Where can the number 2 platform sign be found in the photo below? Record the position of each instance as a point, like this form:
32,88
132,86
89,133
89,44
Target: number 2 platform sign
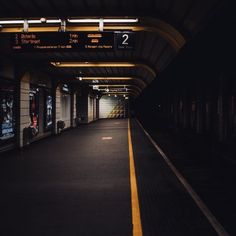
125,40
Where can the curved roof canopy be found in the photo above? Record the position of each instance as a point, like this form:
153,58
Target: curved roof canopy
163,28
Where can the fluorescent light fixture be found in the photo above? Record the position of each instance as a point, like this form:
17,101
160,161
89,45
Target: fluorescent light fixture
8,22
93,64
104,20
112,85
34,21
120,20
104,64
96,79
54,21
111,92
83,20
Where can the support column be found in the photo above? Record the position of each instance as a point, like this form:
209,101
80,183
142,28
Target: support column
24,105
58,107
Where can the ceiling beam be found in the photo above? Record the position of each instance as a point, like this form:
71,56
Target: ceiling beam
165,30
128,87
140,82
107,64
118,86
133,93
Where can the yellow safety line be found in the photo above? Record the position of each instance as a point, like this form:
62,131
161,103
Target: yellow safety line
136,219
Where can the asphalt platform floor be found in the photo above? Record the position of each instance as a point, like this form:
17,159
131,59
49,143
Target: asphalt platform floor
202,162
78,184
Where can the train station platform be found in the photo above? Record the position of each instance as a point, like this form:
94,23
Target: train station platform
78,183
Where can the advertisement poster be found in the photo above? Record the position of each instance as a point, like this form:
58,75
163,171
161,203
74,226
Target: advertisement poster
34,110
48,111
7,121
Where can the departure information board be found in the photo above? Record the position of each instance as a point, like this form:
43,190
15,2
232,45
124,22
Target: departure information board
56,41
72,41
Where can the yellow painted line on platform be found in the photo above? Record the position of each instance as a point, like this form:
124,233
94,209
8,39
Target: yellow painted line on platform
136,219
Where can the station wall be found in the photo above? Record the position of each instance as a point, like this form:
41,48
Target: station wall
112,107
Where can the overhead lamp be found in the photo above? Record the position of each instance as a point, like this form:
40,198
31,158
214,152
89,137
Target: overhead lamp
117,92
54,21
112,85
34,21
43,20
95,87
104,20
96,79
105,64
83,20
79,78
8,22
93,64
39,21
121,20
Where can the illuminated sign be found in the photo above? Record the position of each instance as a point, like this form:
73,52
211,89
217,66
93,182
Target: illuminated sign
7,124
65,88
69,41
34,109
56,41
48,111
125,40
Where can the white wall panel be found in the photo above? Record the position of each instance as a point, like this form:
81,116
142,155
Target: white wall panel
24,106
90,109
111,107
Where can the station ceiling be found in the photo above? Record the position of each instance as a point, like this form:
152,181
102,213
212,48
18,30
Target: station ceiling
163,28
